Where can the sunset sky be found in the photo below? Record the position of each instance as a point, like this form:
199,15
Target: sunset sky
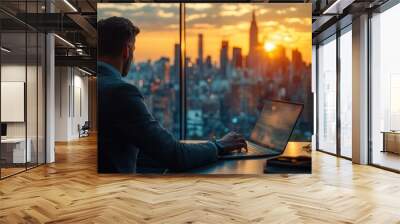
285,24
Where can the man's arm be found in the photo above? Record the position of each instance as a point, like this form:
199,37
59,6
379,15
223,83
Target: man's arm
155,141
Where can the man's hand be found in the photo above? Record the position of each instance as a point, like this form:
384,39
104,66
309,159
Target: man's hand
231,142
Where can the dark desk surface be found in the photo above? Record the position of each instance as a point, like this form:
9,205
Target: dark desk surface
249,166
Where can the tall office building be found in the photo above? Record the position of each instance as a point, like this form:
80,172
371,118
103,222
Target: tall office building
175,69
200,52
297,59
237,59
176,55
297,68
162,69
223,58
208,64
253,43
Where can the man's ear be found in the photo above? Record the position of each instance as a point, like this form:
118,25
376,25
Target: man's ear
125,52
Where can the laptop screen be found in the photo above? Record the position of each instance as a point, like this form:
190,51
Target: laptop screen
275,124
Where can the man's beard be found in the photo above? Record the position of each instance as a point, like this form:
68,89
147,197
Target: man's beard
126,67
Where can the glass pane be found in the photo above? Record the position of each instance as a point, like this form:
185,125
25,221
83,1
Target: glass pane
238,56
13,86
385,86
155,70
41,98
327,96
31,97
346,94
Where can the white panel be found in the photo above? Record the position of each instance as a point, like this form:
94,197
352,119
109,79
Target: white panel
12,101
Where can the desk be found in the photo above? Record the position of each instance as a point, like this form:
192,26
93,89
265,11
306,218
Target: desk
13,150
391,141
248,166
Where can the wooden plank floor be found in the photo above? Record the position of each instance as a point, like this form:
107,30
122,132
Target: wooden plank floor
70,191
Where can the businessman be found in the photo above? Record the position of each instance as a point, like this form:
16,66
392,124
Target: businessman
126,127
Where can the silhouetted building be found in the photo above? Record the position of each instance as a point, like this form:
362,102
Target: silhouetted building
200,53
297,60
208,64
162,68
253,43
175,66
237,59
224,60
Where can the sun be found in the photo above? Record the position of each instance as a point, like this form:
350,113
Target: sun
268,46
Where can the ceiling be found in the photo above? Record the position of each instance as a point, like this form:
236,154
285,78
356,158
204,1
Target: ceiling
72,20
75,21
331,15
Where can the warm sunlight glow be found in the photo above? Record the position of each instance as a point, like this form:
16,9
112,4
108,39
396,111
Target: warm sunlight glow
268,46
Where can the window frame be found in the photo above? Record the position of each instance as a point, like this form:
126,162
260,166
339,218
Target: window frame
337,34
27,29
380,9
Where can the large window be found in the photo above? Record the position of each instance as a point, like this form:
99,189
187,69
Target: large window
334,66
385,89
238,56
327,95
233,63
346,92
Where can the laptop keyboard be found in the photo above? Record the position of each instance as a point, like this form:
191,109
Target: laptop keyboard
252,150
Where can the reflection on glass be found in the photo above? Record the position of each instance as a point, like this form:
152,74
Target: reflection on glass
346,94
22,90
275,124
238,56
155,70
14,153
327,96
385,89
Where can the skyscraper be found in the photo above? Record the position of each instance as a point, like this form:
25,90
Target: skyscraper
175,67
162,69
223,58
253,43
237,59
176,55
297,59
200,52
208,64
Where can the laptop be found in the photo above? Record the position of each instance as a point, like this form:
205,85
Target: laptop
272,131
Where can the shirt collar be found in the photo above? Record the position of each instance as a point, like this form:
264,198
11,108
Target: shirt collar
109,67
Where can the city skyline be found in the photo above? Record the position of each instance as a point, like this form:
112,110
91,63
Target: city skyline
232,66
278,24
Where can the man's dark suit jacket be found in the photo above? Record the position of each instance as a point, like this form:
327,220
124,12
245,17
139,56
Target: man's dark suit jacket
126,126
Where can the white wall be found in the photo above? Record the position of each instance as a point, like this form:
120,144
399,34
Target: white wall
70,94
14,72
62,81
33,127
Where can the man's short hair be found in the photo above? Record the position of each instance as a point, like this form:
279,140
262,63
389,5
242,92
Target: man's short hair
112,35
